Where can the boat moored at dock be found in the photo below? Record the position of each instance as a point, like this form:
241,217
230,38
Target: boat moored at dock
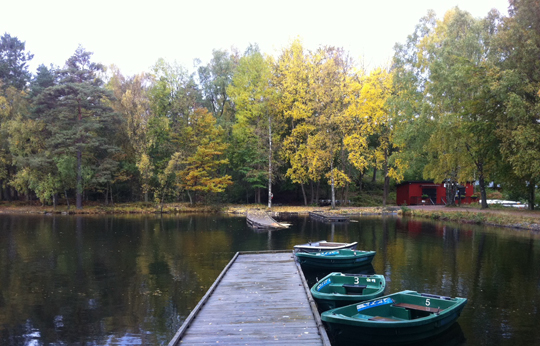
399,318
340,289
336,259
323,245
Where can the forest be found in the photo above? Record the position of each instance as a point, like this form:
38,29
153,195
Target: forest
459,102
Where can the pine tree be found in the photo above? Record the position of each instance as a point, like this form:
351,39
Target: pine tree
77,119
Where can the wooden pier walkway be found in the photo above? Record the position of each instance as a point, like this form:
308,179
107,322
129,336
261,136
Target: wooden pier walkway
328,217
258,299
259,219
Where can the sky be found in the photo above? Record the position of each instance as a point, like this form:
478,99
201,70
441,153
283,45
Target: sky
133,34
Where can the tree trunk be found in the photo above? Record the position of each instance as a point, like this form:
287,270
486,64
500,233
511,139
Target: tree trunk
451,188
79,180
374,178
333,187
483,193
106,193
146,196
190,199
386,177
360,178
532,190
54,197
67,199
317,189
304,194
313,200
270,195
110,194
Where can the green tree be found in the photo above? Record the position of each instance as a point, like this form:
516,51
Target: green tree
13,62
518,43
454,70
329,70
214,79
131,100
77,118
253,152
461,75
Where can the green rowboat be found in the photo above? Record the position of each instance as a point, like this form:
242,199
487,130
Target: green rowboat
399,318
336,259
340,289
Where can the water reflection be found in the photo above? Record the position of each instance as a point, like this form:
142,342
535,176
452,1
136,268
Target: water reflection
133,279
452,337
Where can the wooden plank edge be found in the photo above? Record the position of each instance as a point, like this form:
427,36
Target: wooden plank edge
181,331
314,310
263,252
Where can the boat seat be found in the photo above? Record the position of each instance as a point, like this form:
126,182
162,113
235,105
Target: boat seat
354,289
418,307
354,286
380,318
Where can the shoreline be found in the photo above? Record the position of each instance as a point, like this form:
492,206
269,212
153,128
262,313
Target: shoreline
500,217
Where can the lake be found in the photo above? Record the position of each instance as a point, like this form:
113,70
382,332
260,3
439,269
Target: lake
132,280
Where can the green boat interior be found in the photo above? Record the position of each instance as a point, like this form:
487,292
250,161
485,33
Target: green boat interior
352,284
401,307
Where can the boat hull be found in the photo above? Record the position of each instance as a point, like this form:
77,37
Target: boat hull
361,329
323,245
335,260
340,289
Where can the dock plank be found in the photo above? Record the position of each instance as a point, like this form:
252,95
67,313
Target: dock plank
259,300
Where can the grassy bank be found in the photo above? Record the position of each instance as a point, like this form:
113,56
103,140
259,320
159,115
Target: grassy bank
497,217
505,217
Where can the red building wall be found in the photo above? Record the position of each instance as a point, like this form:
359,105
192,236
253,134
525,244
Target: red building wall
410,193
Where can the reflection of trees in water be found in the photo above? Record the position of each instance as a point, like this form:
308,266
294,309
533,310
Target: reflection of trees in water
89,278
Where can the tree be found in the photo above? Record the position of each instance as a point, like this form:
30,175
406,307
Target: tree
465,106
518,43
252,95
454,66
411,107
197,167
75,116
214,79
131,100
293,106
329,71
13,62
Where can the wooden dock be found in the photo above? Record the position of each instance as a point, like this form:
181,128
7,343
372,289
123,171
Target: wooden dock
328,217
258,299
259,219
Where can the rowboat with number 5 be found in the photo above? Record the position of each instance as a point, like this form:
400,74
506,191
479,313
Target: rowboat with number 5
403,317
340,289
337,259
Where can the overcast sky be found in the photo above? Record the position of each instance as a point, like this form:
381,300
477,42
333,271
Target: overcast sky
134,34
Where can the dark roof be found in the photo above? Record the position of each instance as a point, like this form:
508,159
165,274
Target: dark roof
415,182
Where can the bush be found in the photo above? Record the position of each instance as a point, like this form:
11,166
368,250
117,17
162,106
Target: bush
405,209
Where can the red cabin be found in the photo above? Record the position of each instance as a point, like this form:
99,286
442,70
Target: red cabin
412,192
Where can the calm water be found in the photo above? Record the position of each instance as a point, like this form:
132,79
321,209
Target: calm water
115,280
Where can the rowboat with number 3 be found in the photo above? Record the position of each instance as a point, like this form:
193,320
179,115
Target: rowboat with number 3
399,318
340,289
337,259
